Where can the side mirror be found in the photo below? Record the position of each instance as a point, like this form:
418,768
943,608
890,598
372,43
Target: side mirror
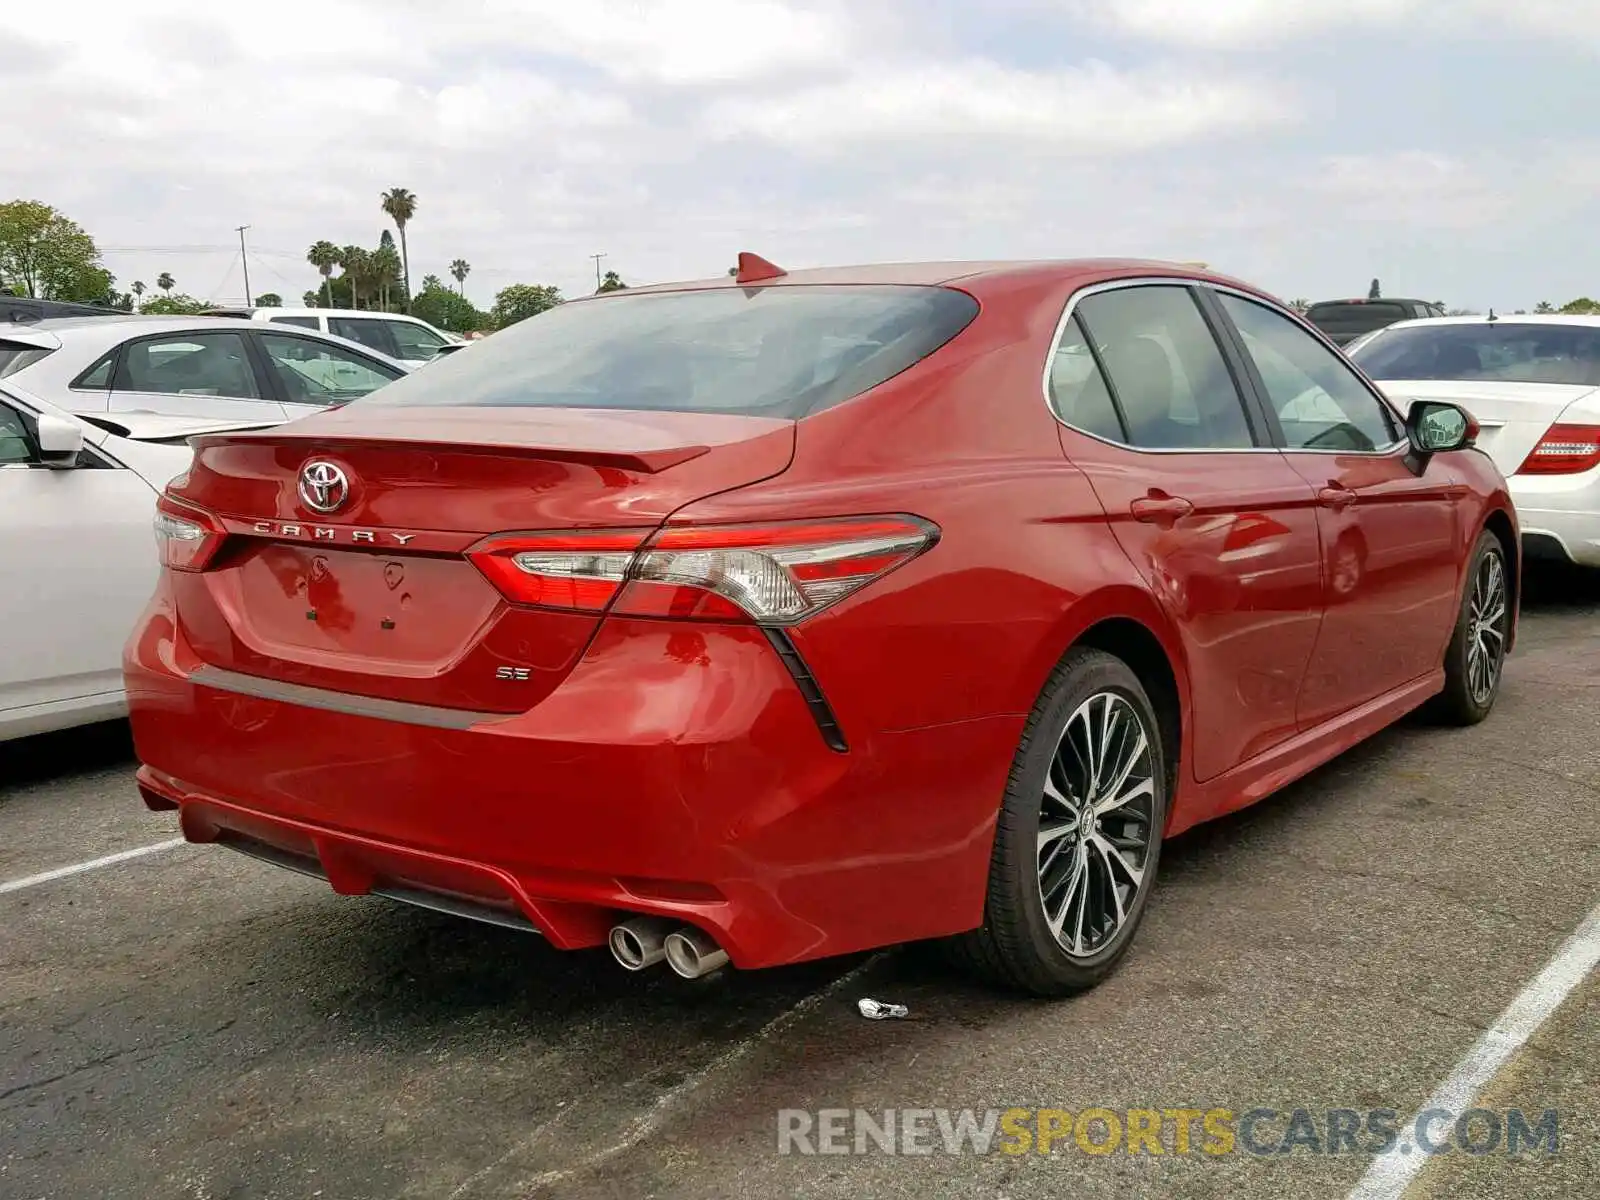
60,441
1436,428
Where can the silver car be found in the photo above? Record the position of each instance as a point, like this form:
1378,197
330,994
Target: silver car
215,368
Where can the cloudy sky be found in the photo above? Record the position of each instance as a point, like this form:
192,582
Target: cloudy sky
1449,147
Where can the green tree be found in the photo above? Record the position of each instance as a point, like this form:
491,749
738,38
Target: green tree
138,289
521,301
1300,304
324,256
611,283
46,255
387,266
353,261
460,269
165,282
1374,292
439,306
269,300
180,305
1544,306
401,205
1582,307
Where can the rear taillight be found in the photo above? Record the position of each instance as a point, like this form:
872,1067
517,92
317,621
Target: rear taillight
1564,450
771,574
578,570
186,536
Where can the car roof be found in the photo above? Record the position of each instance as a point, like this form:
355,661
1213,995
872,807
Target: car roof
1574,319
1378,300
134,323
987,273
255,313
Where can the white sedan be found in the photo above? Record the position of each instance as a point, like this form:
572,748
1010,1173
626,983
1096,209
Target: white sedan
1533,384
77,498
212,367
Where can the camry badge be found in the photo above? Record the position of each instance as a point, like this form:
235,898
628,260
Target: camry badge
323,487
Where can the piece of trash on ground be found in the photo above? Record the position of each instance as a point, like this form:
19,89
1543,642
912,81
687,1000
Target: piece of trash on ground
876,1010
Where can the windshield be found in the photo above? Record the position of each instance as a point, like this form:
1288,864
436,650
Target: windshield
768,351
1498,352
14,357
1348,318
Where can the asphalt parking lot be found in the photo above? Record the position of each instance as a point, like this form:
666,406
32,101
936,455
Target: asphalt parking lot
193,1024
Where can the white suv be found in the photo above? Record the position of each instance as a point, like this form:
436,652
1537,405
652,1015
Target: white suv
411,341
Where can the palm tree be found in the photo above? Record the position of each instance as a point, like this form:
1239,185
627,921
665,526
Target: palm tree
460,269
386,267
138,287
401,205
324,256
353,261
165,282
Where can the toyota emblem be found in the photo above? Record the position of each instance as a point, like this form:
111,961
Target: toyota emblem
324,487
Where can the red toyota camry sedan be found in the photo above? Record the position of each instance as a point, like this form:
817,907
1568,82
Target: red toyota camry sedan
791,614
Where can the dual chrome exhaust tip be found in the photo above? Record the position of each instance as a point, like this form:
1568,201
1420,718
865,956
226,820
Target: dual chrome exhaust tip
644,941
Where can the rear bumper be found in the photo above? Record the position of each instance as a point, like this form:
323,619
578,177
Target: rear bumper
1560,516
674,772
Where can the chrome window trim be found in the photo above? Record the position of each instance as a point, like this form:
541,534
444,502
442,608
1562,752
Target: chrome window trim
1112,285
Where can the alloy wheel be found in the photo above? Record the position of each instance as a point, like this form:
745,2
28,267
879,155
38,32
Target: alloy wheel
1096,824
1487,614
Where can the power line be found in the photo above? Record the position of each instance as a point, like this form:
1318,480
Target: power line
244,258
597,258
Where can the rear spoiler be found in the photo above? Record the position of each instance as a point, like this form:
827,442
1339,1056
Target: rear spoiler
162,429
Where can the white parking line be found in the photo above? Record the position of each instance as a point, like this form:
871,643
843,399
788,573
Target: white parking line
94,864
1390,1175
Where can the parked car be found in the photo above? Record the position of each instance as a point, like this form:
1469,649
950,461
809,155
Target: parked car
394,335
1345,320
1533,384
76,502
783,616
190,366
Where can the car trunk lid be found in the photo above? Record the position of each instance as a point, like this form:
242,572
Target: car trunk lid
376,597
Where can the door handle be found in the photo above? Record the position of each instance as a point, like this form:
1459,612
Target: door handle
1158,508
1335,497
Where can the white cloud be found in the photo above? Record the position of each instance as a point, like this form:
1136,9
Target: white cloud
1254,23
1094,107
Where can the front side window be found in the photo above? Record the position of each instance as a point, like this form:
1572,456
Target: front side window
1501,351
1167,373
15,444
414,341
778,351
369,331
1321,403
313,372
189,364
1078,390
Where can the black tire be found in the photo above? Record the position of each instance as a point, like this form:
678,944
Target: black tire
1015,947
1464,702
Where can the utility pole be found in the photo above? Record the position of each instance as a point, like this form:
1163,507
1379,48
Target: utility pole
245,259
597,258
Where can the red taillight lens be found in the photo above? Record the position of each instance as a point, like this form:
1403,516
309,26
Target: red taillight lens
186,537
1564,450
772,574
581,570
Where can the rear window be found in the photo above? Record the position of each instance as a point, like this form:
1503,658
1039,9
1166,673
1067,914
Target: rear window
770,351
1502,352
1356,318
14,358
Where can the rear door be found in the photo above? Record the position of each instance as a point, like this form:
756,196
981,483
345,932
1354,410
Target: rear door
193,373
1223,529
79,566
1390,528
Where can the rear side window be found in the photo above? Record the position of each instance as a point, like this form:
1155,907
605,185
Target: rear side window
783,351
303,322
189,364
97,377
1077,389
15,445
14,358
1168,375
369,331
413,341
